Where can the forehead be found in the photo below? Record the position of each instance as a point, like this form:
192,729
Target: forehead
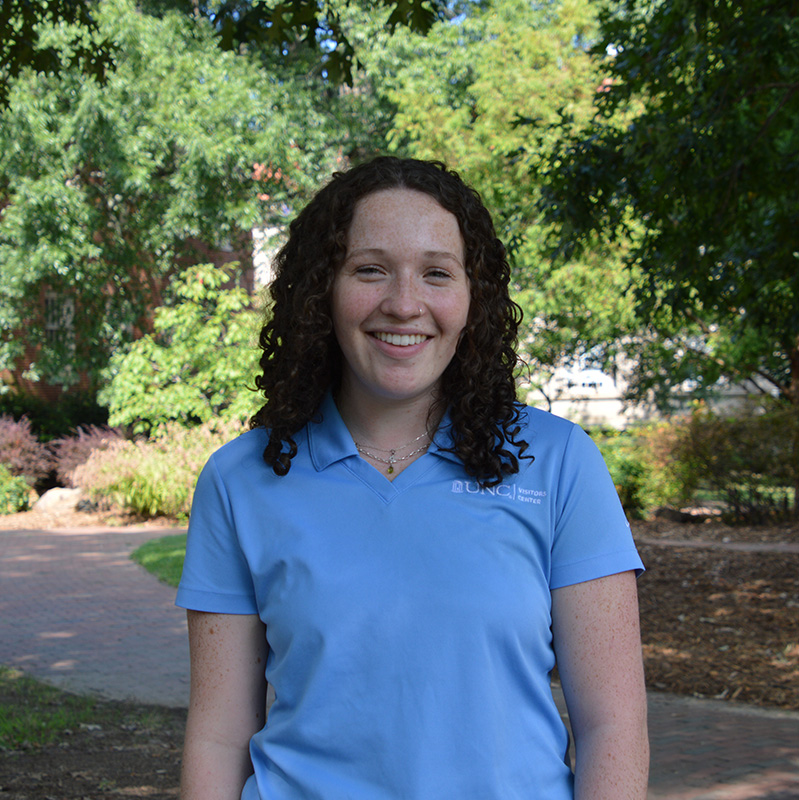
405,216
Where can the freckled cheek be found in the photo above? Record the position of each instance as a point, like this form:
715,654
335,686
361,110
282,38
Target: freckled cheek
351,309
455,315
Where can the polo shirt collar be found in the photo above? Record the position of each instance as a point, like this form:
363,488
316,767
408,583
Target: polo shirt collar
329,439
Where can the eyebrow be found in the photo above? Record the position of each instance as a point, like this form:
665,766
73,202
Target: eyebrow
377,251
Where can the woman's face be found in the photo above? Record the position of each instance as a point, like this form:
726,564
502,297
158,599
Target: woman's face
401,298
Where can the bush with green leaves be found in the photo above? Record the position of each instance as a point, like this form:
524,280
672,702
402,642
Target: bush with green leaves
156,476
15,493
648,467
49,420
745,459
197,365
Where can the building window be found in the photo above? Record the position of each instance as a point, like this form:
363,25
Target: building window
59,318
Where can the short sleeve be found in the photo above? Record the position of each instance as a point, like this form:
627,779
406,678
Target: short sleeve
592,536
216,576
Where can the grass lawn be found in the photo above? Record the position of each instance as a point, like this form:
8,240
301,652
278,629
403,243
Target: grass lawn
33,714
163,557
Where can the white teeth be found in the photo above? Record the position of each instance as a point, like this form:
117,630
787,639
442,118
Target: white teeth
401,340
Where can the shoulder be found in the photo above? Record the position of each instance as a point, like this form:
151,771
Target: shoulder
557,444
243,453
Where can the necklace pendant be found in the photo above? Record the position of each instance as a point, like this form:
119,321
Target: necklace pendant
390,469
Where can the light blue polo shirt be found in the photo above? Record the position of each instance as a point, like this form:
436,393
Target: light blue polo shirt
408,622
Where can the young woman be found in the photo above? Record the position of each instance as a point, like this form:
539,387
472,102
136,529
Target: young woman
399,548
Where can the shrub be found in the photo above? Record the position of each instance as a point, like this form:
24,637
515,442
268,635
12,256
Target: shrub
647,466
154,477
21,452
14,492
69,452
197,364
50,420
746,459
627,469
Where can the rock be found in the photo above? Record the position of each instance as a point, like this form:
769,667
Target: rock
58,500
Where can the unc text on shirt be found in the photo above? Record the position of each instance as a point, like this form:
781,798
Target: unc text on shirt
512,492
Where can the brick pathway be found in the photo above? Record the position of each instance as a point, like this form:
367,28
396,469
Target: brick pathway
75,611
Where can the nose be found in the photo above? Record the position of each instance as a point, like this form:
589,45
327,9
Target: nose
402,300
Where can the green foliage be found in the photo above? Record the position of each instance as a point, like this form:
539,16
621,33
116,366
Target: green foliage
15,492
110,190
461,92
695,135
20,46
51,420
155,477
744,459
627,470
196,366
237,25
163,557
294,21
647,466
33,714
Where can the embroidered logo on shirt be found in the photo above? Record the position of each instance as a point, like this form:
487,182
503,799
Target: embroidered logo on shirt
510,491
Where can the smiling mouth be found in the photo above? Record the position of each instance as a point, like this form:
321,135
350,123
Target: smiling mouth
400,339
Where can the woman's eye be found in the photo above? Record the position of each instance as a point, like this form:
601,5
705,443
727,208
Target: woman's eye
368,269
438,273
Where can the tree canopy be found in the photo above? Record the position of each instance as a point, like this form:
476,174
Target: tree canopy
110,189
198,363
695,139
236,24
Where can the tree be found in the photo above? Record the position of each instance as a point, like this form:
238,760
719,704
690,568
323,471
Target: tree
695,137
236,23
197,363
108,190
20,46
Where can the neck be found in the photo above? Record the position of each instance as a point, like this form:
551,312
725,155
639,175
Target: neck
384,423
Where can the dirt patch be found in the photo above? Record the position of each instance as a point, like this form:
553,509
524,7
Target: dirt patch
709,530
121,760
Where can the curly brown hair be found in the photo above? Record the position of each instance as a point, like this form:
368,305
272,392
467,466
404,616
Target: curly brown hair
301,358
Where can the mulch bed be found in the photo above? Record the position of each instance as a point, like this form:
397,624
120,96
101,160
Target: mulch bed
721,623
716,623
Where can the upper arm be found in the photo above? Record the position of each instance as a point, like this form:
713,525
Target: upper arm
597,643
227,704
228,660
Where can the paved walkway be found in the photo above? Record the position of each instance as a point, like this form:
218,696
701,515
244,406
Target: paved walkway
75,611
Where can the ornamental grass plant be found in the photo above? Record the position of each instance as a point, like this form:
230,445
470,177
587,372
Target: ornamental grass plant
69,452
153,477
